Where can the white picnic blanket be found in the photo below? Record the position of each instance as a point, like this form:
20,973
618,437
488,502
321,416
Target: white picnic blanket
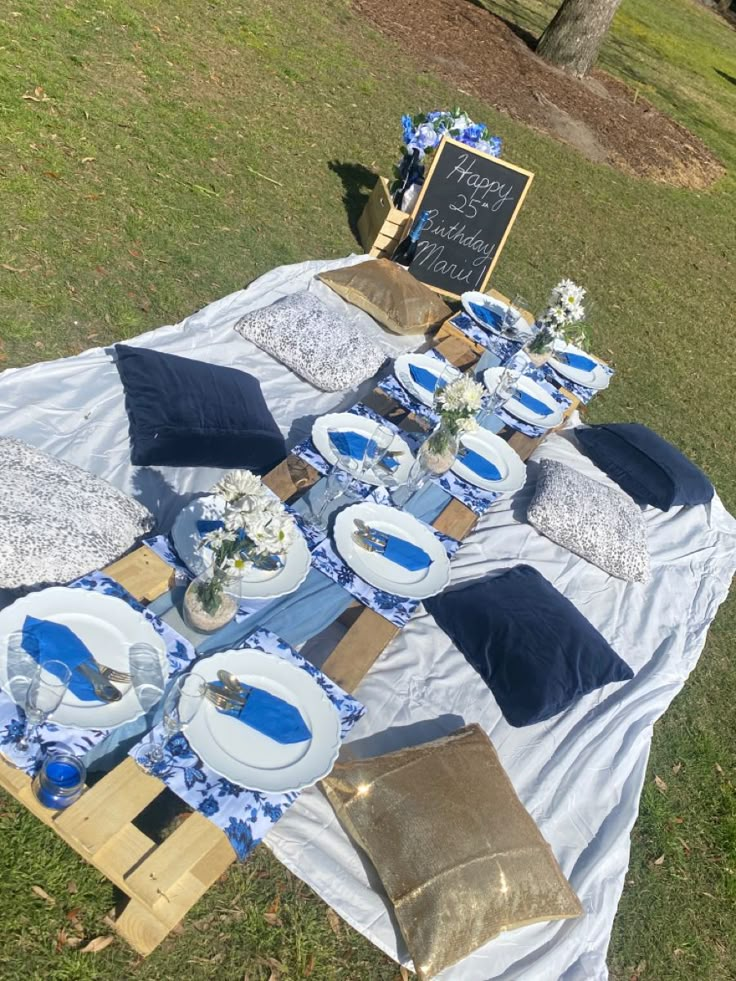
580,774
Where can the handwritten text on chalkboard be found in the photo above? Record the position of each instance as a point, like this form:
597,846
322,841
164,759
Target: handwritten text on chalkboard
472,200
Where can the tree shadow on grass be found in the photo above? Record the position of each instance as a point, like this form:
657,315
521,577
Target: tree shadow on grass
357,183
729,78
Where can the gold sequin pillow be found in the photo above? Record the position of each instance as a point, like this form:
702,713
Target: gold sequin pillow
390,295
459,856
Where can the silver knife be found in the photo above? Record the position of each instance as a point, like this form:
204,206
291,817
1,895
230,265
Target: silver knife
102,687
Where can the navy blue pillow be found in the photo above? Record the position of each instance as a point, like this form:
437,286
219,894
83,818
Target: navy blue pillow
647,467
535,651
186,413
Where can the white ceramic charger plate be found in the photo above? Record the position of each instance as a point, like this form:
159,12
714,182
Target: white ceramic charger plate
381,572
245,756
350,422
402,370
596,379
522,328
107,626
491,377
254,583
506,460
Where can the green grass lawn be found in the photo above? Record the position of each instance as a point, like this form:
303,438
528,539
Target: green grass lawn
134,143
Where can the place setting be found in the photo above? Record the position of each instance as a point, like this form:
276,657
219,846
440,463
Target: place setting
386,557
577,371
76,664
245,731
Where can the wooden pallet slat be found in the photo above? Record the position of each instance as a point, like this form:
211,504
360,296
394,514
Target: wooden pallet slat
108,806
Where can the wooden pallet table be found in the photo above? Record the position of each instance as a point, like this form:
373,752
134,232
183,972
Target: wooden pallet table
162,881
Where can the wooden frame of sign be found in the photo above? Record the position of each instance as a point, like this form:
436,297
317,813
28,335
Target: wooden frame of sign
478,187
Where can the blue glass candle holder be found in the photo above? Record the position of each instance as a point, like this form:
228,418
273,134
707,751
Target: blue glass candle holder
60,781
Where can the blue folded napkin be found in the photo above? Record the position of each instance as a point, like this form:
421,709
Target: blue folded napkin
405,554
529,402
268,714
487,316
355,445
426,378
578,361
48,641
204,527
479,464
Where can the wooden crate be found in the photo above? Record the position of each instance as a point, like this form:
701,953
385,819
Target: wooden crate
381,226
163,881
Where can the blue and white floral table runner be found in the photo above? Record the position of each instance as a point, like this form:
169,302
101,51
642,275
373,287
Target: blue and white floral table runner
245,816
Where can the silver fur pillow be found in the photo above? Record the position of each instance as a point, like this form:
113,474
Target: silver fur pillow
58,522
598,523
306,336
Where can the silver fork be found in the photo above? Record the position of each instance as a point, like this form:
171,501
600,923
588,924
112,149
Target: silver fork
119,677
222,701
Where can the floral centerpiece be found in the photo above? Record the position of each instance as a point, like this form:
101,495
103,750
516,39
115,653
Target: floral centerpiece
559,322
457,404
422,136
254,532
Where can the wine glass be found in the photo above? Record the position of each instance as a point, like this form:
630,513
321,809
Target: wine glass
445,377
332,488
181,703
511,317
376,449
45,691
146,674
505,387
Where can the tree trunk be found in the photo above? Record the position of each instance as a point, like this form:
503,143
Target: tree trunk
574,35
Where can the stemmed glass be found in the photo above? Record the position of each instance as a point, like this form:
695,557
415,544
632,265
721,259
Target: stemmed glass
181,703
146,674
505,388
511,316
46,689
333,487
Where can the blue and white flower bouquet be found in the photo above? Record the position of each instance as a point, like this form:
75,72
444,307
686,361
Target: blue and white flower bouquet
422,136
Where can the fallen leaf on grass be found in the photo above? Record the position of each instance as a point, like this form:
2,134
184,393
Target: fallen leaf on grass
678,820
334,920
719,769
678,951
309,968
7,268
659,861
273,919
71,887
42,894
96,945
660,784
38,95
86,160
676,768
404,973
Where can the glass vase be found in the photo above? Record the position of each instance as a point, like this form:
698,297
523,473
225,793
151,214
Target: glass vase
207,605
437,453
541,347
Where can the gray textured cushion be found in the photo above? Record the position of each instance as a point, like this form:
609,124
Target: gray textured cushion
58,522
306,336
598,523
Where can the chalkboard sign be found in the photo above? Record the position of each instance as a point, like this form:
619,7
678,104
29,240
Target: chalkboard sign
473,200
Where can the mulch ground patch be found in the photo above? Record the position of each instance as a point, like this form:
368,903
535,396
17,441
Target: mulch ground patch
605,119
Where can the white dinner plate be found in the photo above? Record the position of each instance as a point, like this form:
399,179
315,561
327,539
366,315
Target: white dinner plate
596,379
506,460
491,378
253,583
107,626
349,422
381,572
245,756
402,367
522,328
